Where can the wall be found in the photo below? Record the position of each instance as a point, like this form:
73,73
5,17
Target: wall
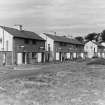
56,47
68,49
7,41
90,48
50,42
20,46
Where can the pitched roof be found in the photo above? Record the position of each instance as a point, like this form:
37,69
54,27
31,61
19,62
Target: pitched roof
22,34
63,39
98,44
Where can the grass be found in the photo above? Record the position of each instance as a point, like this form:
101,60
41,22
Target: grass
60,84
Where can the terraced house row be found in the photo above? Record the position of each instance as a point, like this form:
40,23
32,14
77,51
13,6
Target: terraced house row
18,46
61,48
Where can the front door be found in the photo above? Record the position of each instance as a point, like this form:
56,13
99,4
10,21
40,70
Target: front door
42,57
19,58
4,58
60,56
39,57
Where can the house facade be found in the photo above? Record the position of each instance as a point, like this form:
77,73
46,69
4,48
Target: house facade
20,46
61,48
94,49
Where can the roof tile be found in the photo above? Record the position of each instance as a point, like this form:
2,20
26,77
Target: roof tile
22,34
63,39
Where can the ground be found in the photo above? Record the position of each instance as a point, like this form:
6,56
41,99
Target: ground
53,84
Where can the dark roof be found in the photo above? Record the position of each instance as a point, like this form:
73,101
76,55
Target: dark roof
98,44
22,34
63,39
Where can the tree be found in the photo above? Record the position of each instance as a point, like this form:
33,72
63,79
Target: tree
91,36
103,35
80,39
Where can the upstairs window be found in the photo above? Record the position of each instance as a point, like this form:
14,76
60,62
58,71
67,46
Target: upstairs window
62,44
26,41
0,40
33,41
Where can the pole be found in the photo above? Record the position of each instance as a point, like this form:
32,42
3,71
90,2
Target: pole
3,38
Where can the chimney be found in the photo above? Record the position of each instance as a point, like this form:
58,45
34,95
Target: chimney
55,33
19,27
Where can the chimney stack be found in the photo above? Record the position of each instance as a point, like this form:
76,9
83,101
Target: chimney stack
19,27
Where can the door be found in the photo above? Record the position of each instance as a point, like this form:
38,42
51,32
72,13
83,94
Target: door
19,58
68,55
60,56
4,58
39,57
27,58
42,57
57,55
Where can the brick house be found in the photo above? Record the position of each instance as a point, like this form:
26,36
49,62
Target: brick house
61,48
18,46
94,49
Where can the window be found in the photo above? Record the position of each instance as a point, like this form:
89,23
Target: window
26,41
7,45
33,41
62,44
0,40
94,50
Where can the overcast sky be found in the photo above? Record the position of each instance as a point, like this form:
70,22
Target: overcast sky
73,17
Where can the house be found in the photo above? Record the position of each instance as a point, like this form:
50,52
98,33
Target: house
18,46
61,48
94,49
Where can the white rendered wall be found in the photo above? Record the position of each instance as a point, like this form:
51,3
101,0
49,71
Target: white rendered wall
90,48
48,42
7,42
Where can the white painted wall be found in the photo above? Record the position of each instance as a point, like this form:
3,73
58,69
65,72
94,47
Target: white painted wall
90,48
50,42
103,43
8,41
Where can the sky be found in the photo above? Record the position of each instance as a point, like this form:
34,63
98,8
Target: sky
65,17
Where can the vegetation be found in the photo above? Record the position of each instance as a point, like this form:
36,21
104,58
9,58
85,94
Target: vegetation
70,84
103,35
80,39
91,36
97,61
98,37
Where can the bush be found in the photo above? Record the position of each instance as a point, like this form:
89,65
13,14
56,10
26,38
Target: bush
98,61
95,57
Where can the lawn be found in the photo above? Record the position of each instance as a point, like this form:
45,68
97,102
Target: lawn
57,84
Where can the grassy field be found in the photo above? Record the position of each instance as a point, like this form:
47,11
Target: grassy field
57,84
